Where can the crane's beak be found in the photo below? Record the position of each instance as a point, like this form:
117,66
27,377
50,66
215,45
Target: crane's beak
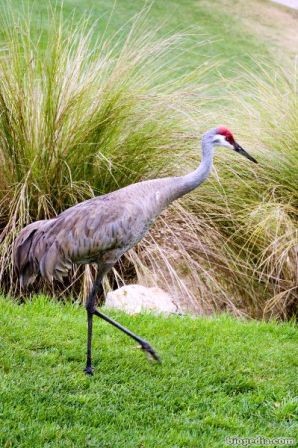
242,151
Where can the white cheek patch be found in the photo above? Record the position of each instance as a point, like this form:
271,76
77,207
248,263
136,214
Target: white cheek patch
220,140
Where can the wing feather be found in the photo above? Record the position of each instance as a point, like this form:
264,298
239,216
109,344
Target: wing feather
92,231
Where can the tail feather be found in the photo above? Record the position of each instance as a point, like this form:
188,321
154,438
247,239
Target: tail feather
37,252
54,263
26,261
48,262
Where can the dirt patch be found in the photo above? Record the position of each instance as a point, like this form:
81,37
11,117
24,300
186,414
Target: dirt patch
275,24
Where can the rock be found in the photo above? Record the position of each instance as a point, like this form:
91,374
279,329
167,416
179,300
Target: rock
134,299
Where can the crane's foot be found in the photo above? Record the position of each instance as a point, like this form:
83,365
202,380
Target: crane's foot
146,347
89,370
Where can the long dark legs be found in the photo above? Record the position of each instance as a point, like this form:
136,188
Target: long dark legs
91,310
144,344
89,368
90,307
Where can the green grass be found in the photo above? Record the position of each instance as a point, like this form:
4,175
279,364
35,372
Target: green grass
230,43
219,377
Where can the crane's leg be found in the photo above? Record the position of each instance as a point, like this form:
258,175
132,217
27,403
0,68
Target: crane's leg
144,344
90,306
91,310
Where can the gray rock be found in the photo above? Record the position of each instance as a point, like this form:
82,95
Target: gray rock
134,299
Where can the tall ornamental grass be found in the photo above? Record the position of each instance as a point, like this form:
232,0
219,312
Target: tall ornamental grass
83,114
255,206
270,220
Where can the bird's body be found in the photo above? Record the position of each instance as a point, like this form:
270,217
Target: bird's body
98,230
101,229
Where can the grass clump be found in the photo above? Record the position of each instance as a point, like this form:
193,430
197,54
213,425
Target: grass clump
255,207
271,219
79,118
241,237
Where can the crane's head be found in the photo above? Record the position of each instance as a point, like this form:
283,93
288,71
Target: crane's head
224,137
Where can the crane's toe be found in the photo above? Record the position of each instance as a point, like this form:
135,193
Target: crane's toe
150,352
89,370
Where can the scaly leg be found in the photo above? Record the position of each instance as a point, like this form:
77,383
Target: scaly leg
90,307
144,344
91,310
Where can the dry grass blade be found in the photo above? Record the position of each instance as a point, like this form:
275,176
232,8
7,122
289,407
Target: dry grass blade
79,118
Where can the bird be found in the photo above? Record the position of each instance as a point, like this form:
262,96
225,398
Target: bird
101,229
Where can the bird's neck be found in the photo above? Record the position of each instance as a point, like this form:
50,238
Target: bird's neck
190,181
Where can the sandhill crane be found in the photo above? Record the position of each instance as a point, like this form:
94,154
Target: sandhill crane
101,229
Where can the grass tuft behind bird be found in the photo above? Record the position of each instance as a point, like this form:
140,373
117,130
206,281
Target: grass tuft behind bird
80,118
255,207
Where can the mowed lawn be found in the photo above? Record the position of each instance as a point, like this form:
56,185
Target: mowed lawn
219,377
226,41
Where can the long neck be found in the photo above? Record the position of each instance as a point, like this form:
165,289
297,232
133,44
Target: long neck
185,184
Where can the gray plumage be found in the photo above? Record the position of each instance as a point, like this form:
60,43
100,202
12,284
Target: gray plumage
102,229
98,230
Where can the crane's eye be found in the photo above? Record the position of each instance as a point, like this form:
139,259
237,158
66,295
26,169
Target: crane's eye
229,139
